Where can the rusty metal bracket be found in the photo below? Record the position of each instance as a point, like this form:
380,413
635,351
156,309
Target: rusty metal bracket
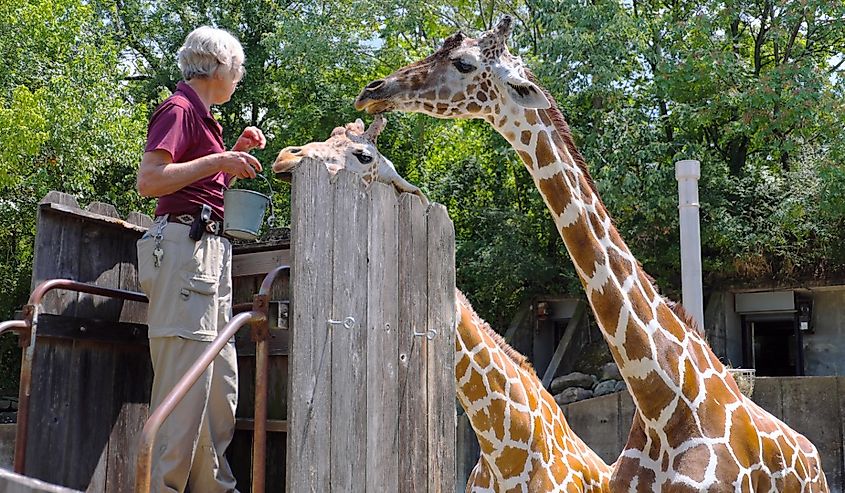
261,329
25,335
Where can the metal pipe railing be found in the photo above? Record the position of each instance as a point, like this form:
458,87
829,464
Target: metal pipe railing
27,332
260,334
144,464
13,326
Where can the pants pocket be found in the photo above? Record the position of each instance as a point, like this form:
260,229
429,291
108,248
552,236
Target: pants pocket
146,265
198,301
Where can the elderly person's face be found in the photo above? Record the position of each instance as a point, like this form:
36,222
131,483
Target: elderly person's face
226,81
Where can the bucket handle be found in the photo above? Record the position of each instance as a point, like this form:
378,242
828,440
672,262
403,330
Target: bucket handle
271,221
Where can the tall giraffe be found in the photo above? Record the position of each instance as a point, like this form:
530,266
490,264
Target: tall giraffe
526,443
693,430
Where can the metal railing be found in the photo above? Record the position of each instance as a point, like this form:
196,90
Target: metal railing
257,317
260,334
27,329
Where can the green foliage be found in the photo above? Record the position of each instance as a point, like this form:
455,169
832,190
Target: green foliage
754,90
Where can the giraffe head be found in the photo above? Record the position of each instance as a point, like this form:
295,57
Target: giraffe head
353,148
465,78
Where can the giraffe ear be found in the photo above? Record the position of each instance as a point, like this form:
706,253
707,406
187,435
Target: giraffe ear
528,95
524,92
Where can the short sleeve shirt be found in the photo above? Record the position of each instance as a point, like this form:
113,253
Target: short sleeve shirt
185,128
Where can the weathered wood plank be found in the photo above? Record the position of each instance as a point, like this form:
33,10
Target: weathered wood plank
56,255
250,264
349,345
413,318
93,330
382,342
131,311
309,395
441,351
90,416
133,380
48,418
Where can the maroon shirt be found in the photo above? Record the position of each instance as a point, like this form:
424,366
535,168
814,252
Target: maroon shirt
183,126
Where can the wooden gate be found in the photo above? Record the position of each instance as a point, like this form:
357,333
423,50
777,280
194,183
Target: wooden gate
371,404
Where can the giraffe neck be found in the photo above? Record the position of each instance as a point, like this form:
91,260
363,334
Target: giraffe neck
659,357
522,433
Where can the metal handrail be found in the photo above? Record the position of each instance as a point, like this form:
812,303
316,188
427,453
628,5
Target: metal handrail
258,318
13,325
26,329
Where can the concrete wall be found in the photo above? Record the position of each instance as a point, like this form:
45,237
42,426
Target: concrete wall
824,348
7,446
814,406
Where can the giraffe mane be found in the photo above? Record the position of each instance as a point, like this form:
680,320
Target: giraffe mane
562,127
566,134
682,313
515,356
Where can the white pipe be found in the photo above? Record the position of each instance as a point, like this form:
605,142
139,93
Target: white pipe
687,173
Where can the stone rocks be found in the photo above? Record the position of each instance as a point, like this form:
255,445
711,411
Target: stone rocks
610,371
578,386
572,394
575,379
604,388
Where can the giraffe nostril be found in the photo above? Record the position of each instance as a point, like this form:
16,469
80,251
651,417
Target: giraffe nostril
372,86
294,150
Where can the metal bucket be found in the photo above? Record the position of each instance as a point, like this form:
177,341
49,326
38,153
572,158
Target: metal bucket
243,212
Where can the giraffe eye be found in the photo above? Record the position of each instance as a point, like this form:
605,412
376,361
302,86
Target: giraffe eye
462,66
363,158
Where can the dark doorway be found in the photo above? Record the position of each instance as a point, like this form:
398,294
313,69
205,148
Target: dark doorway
773,346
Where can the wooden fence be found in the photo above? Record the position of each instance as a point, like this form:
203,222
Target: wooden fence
90,364
371,404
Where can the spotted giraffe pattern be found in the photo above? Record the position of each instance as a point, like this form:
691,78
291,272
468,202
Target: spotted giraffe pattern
526,444
693,430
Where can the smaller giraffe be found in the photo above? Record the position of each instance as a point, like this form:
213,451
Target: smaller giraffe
526,442
351,147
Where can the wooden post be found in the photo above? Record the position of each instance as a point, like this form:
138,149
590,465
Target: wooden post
372,402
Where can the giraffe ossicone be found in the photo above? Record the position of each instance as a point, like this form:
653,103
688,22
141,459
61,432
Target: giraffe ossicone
526,443
693,429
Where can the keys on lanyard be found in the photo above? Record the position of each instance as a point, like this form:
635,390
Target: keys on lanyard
158,252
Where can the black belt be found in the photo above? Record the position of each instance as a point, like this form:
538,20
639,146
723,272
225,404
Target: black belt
211,227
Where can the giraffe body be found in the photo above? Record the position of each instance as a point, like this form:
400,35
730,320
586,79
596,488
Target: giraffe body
526,444
693,430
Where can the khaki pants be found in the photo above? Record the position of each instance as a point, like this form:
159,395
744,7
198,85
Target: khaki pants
190,300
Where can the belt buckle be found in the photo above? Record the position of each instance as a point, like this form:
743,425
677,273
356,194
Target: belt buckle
185,219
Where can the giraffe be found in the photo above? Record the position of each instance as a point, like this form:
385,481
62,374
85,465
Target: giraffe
351,147
526,443
693,430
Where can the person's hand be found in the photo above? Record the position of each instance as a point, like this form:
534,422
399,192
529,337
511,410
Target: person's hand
239,164
250,138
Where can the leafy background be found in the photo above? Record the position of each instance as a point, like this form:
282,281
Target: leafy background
751,88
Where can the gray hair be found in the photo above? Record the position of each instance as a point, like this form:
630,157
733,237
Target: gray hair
207,50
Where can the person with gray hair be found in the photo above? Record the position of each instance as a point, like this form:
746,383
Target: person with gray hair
184,264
